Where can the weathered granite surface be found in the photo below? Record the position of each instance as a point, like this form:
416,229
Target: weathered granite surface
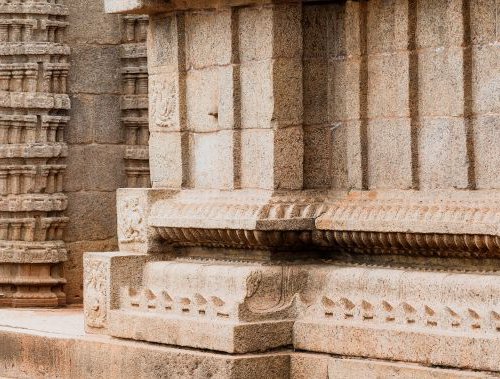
56,346
324,178
325,195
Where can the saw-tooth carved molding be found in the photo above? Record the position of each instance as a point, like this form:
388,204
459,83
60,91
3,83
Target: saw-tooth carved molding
248,292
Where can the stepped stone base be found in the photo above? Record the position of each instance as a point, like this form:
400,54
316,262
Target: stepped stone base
53,344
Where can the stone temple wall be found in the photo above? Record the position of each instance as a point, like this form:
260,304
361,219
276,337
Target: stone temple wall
34,64
94,135
324,176
401,95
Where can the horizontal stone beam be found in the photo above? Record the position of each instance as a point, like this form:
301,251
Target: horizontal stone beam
159,6
135,6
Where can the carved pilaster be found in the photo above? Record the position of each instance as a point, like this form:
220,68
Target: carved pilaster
134,101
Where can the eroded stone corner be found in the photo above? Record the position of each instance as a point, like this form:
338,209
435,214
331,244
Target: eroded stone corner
104,274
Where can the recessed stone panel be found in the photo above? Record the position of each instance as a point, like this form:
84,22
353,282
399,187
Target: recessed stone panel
443,160
440,82
208,39
212,160
165,156
486,146
209,98
389,154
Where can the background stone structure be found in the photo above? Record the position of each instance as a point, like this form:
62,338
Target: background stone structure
102,138
34,64
94,136
109,123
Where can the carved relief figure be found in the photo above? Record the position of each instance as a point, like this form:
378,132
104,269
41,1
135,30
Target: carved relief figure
132,221
164,94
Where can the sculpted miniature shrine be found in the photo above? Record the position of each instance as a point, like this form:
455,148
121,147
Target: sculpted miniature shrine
324,195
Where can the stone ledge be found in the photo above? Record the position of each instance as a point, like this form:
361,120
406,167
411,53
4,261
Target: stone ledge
322,366
136,6
446,224
158,6
34,8
44,202
230,337
32,252
52,343
45,344
34,48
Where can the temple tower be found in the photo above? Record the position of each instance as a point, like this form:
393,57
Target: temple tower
33,115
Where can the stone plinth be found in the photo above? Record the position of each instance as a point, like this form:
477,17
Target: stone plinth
60,334
323,178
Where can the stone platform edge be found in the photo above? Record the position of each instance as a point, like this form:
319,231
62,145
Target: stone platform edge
59,348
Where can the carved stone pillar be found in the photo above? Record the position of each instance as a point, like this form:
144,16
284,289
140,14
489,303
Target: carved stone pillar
33,106
311,186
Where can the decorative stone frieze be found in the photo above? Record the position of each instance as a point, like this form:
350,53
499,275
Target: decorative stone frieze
135,100
33,106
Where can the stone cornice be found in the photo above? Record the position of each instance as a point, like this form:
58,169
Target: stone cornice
455,223
159,6
136,6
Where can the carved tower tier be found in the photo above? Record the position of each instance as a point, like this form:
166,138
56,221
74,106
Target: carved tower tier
33,114
325,176
134,102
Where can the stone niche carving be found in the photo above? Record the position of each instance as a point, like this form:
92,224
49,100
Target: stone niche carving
33,106
314,185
